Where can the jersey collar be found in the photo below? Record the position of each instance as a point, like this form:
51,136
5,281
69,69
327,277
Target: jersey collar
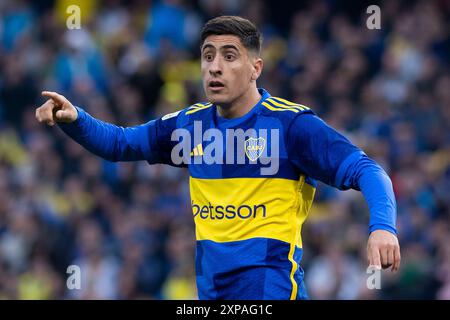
228,123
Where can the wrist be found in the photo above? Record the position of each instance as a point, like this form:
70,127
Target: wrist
384,227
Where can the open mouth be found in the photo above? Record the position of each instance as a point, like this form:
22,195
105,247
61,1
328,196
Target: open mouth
216,85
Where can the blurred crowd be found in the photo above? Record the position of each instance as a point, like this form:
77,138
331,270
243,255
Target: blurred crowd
129,226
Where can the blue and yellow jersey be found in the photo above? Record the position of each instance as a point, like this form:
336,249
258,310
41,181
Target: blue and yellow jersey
248,224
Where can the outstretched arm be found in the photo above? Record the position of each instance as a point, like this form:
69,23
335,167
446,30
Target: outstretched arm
106,140
324,154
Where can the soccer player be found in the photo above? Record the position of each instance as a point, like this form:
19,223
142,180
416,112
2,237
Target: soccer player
248,223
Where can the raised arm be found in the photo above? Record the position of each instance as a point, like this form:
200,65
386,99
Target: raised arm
106,140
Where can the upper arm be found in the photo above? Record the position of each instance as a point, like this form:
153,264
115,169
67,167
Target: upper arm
317,149
150,141
160,138
134,143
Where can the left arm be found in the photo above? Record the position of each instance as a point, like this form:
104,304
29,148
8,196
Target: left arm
359,172
324,154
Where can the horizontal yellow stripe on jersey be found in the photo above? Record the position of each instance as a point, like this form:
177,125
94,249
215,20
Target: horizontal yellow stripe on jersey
281,100
237,209
197,107
283,105
268,106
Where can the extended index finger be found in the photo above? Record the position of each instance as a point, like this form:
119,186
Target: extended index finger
54,95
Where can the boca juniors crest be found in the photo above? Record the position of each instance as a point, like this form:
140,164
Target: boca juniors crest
254,148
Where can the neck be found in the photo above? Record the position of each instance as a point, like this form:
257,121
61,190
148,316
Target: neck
241,105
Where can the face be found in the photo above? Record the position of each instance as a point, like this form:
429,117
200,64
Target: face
228,69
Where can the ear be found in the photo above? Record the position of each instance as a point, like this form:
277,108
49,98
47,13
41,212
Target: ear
257,68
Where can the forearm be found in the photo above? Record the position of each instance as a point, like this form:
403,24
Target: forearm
364,174
376,186
106,140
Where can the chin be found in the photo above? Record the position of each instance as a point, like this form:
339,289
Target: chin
217,98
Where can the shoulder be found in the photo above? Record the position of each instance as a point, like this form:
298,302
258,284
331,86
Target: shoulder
198,108
184,116
284,110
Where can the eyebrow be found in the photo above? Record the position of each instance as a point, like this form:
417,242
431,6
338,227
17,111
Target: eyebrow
230,46
227,46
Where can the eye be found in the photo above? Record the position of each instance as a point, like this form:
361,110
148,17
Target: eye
208,57
229,57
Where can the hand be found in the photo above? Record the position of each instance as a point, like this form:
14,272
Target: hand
56,109
383,250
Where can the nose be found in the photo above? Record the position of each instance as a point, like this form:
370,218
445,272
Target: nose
215,68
